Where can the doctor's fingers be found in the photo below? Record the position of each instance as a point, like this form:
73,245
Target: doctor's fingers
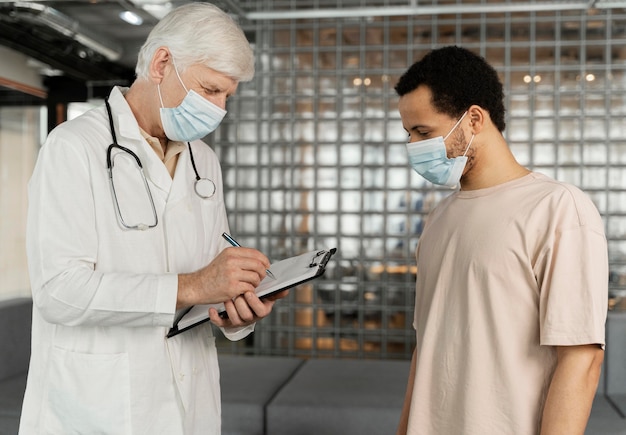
240,313
226,285
244,255
247,309
236,316
260,307
229,266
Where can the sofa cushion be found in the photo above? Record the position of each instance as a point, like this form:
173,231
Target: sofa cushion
340,397
15,327
248,384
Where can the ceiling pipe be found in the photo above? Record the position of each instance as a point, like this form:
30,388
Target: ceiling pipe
44,15
415,9
607,4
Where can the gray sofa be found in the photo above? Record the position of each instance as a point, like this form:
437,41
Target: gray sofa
15,320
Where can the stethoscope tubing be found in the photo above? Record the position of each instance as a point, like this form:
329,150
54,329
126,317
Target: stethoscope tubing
109,161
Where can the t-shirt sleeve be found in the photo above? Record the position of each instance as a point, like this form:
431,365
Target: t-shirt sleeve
574,284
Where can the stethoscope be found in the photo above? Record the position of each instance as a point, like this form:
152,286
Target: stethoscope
204,187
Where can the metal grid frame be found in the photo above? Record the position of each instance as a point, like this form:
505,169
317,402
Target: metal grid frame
313,156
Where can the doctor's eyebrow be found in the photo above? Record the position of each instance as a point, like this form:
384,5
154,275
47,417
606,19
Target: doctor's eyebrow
214,89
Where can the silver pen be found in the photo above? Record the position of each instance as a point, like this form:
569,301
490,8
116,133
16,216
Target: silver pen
237,245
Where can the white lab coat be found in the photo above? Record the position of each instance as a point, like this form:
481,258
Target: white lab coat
104,297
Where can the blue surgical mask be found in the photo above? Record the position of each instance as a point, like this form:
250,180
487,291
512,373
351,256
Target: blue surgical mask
193,119
429,159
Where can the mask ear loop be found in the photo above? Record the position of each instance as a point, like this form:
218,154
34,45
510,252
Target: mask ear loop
160,97
179,79
178,75
455,126
468,145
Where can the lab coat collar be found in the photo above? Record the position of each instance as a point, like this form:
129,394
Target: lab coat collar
129,135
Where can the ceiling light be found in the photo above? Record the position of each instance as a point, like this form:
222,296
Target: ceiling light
156,8
535,78
131,18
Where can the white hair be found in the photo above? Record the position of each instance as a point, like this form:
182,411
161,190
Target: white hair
200,33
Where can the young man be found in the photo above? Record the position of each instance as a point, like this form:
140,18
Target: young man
124,229
511,292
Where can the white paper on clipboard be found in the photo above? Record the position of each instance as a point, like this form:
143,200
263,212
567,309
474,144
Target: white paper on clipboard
289,273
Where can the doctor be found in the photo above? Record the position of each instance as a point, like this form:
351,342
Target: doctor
124,229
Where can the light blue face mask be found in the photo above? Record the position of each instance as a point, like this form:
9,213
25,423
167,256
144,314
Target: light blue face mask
193,119
429,159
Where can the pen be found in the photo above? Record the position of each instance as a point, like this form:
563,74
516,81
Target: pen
237,245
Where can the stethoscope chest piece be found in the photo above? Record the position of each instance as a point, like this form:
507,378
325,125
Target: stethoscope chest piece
204,187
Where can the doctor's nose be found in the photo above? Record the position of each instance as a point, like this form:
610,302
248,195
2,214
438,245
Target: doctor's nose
220,102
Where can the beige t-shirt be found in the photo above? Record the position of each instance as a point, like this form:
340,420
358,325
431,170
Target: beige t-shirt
504,274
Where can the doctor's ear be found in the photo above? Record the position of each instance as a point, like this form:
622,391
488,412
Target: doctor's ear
161,60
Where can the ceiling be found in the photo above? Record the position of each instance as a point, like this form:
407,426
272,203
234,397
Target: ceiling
85,41
77,42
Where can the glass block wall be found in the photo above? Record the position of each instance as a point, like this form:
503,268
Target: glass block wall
313,155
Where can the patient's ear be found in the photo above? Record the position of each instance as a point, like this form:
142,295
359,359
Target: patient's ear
477,116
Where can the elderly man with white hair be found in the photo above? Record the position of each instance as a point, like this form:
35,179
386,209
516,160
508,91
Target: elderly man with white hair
124,232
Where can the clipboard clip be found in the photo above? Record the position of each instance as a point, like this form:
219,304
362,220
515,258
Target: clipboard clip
324,260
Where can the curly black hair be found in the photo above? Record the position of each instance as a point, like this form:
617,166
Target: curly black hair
457,79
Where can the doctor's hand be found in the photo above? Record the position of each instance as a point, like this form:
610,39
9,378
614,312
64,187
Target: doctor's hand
245,309
232,273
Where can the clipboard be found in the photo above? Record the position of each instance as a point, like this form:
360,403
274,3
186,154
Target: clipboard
289,273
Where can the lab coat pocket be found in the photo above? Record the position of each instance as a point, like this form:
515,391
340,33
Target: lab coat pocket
87,394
